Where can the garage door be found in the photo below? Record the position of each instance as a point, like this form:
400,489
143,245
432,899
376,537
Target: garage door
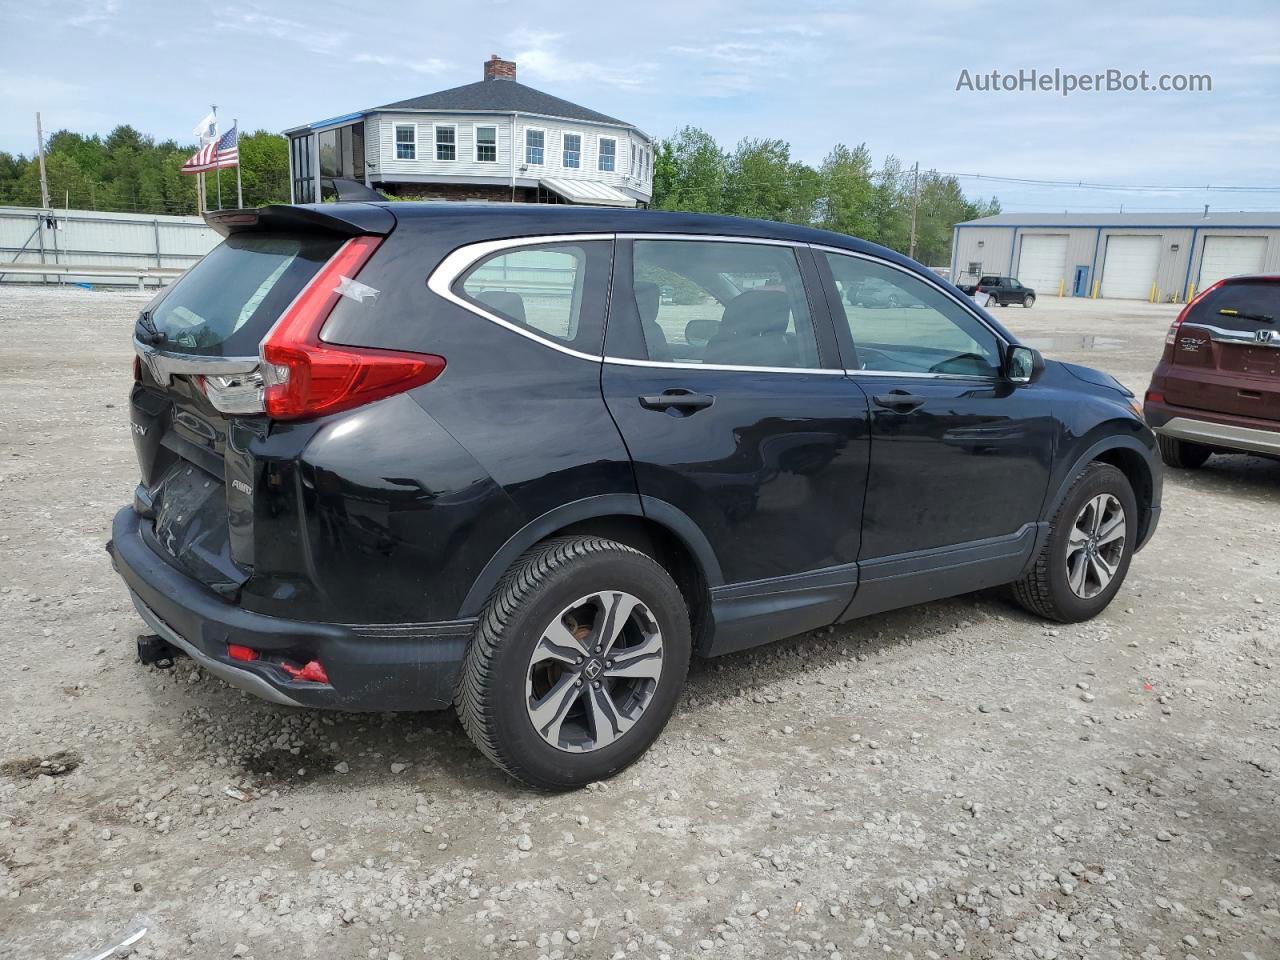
1230,256
1043,263
1129,269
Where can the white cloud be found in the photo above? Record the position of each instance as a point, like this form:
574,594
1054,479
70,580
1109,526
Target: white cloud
539,56
96,15
431,65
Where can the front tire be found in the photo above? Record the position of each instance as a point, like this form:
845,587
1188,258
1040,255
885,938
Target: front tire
1182,454
1028,301
578,659
1086,557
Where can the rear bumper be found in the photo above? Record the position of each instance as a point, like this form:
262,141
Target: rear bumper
408,666
1214,429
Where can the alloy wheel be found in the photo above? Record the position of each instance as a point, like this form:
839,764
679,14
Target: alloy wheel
593,671
1095,546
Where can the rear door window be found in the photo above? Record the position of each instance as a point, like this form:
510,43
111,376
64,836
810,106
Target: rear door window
722,303
1244,307
226,303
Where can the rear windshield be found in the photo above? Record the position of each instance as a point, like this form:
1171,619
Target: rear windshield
1248,305
226,303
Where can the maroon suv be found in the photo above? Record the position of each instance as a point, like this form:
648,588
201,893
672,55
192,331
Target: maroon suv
1217,388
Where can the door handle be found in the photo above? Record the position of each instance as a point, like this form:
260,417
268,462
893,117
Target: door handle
678,398
899,401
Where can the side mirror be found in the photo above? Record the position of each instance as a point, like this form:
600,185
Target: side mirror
1022,364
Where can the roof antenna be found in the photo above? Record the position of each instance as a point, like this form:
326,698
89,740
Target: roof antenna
1206,212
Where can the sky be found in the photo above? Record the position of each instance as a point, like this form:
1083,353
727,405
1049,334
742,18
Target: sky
809,72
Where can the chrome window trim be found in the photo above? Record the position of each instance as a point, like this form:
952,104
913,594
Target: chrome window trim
925,375
459,261
668,365
1223,335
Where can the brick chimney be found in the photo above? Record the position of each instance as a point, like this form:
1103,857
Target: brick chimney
495,68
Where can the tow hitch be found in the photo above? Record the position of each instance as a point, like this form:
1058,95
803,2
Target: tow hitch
157,652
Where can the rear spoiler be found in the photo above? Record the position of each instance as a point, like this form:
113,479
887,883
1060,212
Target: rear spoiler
344,219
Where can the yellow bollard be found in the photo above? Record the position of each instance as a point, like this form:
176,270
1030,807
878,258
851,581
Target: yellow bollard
1094,295
1191,292
1062,285
1152,298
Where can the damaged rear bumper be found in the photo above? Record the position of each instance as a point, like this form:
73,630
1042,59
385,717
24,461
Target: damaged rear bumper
387,666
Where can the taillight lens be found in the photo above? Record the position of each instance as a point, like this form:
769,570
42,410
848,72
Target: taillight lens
1172,335
306,377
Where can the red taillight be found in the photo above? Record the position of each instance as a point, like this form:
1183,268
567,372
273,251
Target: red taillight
236,652
306,377
1154,396
1172,335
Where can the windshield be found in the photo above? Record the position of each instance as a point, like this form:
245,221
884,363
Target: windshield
227,302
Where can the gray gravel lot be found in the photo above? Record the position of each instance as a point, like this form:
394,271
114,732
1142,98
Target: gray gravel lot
955,780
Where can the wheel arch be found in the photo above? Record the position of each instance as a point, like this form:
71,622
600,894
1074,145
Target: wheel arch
651,526
1132,458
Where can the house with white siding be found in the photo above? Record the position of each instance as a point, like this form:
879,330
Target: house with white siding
495,140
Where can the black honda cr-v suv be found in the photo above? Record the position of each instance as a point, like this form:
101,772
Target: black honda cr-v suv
527,460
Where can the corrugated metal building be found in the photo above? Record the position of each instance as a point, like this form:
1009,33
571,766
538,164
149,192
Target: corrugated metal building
1163,257
89,237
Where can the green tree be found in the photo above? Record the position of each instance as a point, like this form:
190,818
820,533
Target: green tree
763,181
689,173
848,195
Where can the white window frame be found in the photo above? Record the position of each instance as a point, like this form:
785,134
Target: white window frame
396,142
543,148
600,155
564,150
476,143
634,159
435,141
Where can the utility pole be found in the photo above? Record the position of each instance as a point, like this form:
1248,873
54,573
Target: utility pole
915,204
44,180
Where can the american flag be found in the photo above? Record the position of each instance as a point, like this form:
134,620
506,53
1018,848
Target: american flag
223,152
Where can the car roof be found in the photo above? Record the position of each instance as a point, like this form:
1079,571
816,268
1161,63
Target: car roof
516,219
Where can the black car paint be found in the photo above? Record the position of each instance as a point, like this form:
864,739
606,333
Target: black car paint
794,498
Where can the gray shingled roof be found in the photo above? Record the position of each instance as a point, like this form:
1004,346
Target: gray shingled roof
1217,218
502,96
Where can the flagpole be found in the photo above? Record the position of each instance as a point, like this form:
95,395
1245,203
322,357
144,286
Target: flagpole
235,123
213,107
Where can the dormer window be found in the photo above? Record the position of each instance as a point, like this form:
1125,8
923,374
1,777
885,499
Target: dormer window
572,150
608,159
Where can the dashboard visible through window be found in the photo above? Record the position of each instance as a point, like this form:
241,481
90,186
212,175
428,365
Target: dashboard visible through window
901,324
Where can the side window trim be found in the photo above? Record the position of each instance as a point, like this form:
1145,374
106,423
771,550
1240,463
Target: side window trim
845,337
458,263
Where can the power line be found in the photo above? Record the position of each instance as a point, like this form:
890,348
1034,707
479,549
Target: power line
1085,185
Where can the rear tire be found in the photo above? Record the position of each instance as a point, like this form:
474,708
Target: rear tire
508,676
1183,454
1071,582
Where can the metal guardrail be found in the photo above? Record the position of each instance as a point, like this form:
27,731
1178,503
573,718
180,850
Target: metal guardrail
142,274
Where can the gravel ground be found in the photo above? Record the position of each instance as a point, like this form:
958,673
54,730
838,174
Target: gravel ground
954,780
